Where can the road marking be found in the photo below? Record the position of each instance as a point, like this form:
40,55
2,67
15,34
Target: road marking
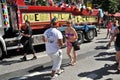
89,77
32,74
111,50
38,56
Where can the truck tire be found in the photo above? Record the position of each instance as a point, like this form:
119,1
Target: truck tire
80,37
90,35
1,53
64,39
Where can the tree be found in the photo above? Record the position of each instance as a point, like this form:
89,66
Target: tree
41,2
108,5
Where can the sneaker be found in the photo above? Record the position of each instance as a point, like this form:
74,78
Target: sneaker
116,63
56,75
118,71
24,58
34,58
60,71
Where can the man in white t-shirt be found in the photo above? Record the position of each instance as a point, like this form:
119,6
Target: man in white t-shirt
54,40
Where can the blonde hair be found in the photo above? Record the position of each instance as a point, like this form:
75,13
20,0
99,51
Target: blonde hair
116,22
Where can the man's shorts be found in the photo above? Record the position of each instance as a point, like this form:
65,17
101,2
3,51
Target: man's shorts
117,48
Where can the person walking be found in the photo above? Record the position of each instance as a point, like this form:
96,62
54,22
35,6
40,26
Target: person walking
109,25
116,34
72,37
115,24
54,40
26,41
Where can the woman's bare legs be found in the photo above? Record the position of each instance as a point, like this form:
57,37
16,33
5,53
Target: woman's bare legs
74,56
118,59
68,53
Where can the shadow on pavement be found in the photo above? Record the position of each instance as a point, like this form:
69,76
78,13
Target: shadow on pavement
6,62
100,73
9,62
103,71
47,66
111,58
101,47
41,69
101,42
105,56
102,54
36,73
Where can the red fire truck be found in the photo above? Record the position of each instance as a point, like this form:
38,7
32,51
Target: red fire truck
13,14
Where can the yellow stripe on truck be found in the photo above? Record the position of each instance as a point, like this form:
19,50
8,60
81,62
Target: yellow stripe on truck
35,17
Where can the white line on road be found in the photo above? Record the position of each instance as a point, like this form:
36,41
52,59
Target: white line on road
111,50
32,74
39,56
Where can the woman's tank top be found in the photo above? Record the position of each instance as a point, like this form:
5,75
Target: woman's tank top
117,42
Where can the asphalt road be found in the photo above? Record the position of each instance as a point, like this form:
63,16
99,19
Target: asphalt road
94,62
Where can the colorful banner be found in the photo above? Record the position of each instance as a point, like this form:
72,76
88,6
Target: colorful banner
5,14
61,16
35,17
85,19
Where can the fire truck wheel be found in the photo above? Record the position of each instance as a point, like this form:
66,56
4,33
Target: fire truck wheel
80,37
64,40
90,35
1,53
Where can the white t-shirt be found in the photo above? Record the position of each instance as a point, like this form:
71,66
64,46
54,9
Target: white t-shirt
52,35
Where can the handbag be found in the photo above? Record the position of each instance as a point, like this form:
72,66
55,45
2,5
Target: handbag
75,45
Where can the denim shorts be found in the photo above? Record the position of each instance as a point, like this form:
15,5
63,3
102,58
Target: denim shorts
117,48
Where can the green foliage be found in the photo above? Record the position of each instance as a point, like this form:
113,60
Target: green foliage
41,2
111,6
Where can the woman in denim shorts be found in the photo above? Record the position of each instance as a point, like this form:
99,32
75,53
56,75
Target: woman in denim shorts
116,34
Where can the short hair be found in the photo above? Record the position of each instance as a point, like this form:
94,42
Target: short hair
27,21
69,22
55,23
115,21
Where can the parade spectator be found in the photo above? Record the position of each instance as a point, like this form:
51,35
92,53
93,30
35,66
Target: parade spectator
116,34
54,40
51,2
26,40
34,2
109,25
115,24
79,5
72,37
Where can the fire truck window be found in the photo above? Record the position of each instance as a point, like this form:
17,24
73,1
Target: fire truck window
27,2
13,16
30,2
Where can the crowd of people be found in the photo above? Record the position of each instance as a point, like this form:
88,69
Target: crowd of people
62,3
53,39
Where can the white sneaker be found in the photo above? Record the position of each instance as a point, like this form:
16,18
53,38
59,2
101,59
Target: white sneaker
56,75
60,71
